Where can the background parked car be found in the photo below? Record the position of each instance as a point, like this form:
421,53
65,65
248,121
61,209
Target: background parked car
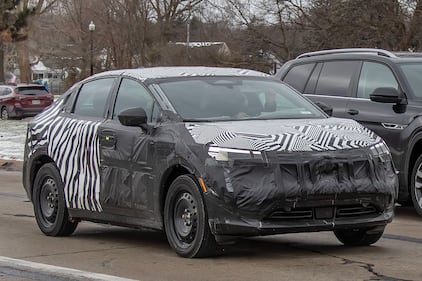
379,89
23,100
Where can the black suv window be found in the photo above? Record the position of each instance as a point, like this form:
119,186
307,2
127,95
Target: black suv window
132,94
298,76
92,98
374,75
335,78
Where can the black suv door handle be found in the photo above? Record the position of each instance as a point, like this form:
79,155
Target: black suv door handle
352,111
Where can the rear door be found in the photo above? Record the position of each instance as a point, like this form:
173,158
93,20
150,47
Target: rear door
74,145
331,83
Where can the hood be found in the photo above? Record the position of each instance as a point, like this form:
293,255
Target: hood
284,135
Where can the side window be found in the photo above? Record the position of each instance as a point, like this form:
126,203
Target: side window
335,78
374,75
92,98
132,94
4,91
7,91
298,76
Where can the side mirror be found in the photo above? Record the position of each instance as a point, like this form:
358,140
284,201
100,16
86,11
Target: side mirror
135,117
387,95
328,109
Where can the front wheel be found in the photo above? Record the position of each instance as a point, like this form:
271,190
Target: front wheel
49,203
186,220
4,114
416,185
359,236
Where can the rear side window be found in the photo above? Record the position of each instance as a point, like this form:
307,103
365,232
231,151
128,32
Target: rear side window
92,98
298,76
32,91
335,78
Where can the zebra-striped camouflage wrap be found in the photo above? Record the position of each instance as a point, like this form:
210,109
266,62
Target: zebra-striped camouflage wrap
74,146
285,135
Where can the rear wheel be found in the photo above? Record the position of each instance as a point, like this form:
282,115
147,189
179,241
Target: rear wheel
186,220
416,185
359,236
49,203
4,113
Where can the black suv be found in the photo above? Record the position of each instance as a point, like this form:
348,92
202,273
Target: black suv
379,89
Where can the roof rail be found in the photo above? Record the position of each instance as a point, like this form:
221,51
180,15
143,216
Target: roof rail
379,52
409,54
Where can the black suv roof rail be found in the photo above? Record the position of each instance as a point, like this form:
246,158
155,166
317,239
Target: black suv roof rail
379,52
409,54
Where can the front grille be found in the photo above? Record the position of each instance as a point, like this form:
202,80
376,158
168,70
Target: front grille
318,213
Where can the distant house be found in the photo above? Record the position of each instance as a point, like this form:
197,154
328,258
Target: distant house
52,77
220,47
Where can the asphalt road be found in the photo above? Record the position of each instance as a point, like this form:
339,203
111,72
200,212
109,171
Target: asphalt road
145,255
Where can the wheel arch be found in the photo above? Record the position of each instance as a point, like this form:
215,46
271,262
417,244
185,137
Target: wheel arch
412,154
36,165
168,177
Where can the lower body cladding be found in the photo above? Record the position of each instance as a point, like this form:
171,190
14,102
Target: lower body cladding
288,194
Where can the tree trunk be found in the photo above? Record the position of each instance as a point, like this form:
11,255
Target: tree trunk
1,61
23,61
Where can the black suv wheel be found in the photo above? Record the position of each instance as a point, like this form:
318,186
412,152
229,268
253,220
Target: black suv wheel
416,185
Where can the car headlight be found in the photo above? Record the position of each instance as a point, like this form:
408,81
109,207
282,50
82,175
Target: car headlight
381,151
226,154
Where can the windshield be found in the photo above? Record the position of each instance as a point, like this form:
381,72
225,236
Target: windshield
234,98
31,91
413,73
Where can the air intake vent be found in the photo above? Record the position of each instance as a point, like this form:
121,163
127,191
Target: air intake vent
292,215
355,211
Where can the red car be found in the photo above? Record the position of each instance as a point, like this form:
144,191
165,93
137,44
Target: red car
23,100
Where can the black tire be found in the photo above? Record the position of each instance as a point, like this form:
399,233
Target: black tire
416,185
186,219
4,114
49,203
360,236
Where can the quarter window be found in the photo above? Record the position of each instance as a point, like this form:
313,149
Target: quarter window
132,94
92,98
298,76
335,78
375,75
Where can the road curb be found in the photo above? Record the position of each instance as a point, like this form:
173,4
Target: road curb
33,270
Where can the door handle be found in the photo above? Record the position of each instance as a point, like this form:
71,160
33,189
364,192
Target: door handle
352,111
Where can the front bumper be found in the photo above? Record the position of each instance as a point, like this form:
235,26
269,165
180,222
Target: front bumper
310,215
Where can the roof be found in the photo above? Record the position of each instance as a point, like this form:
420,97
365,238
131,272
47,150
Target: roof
181,71
353,53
